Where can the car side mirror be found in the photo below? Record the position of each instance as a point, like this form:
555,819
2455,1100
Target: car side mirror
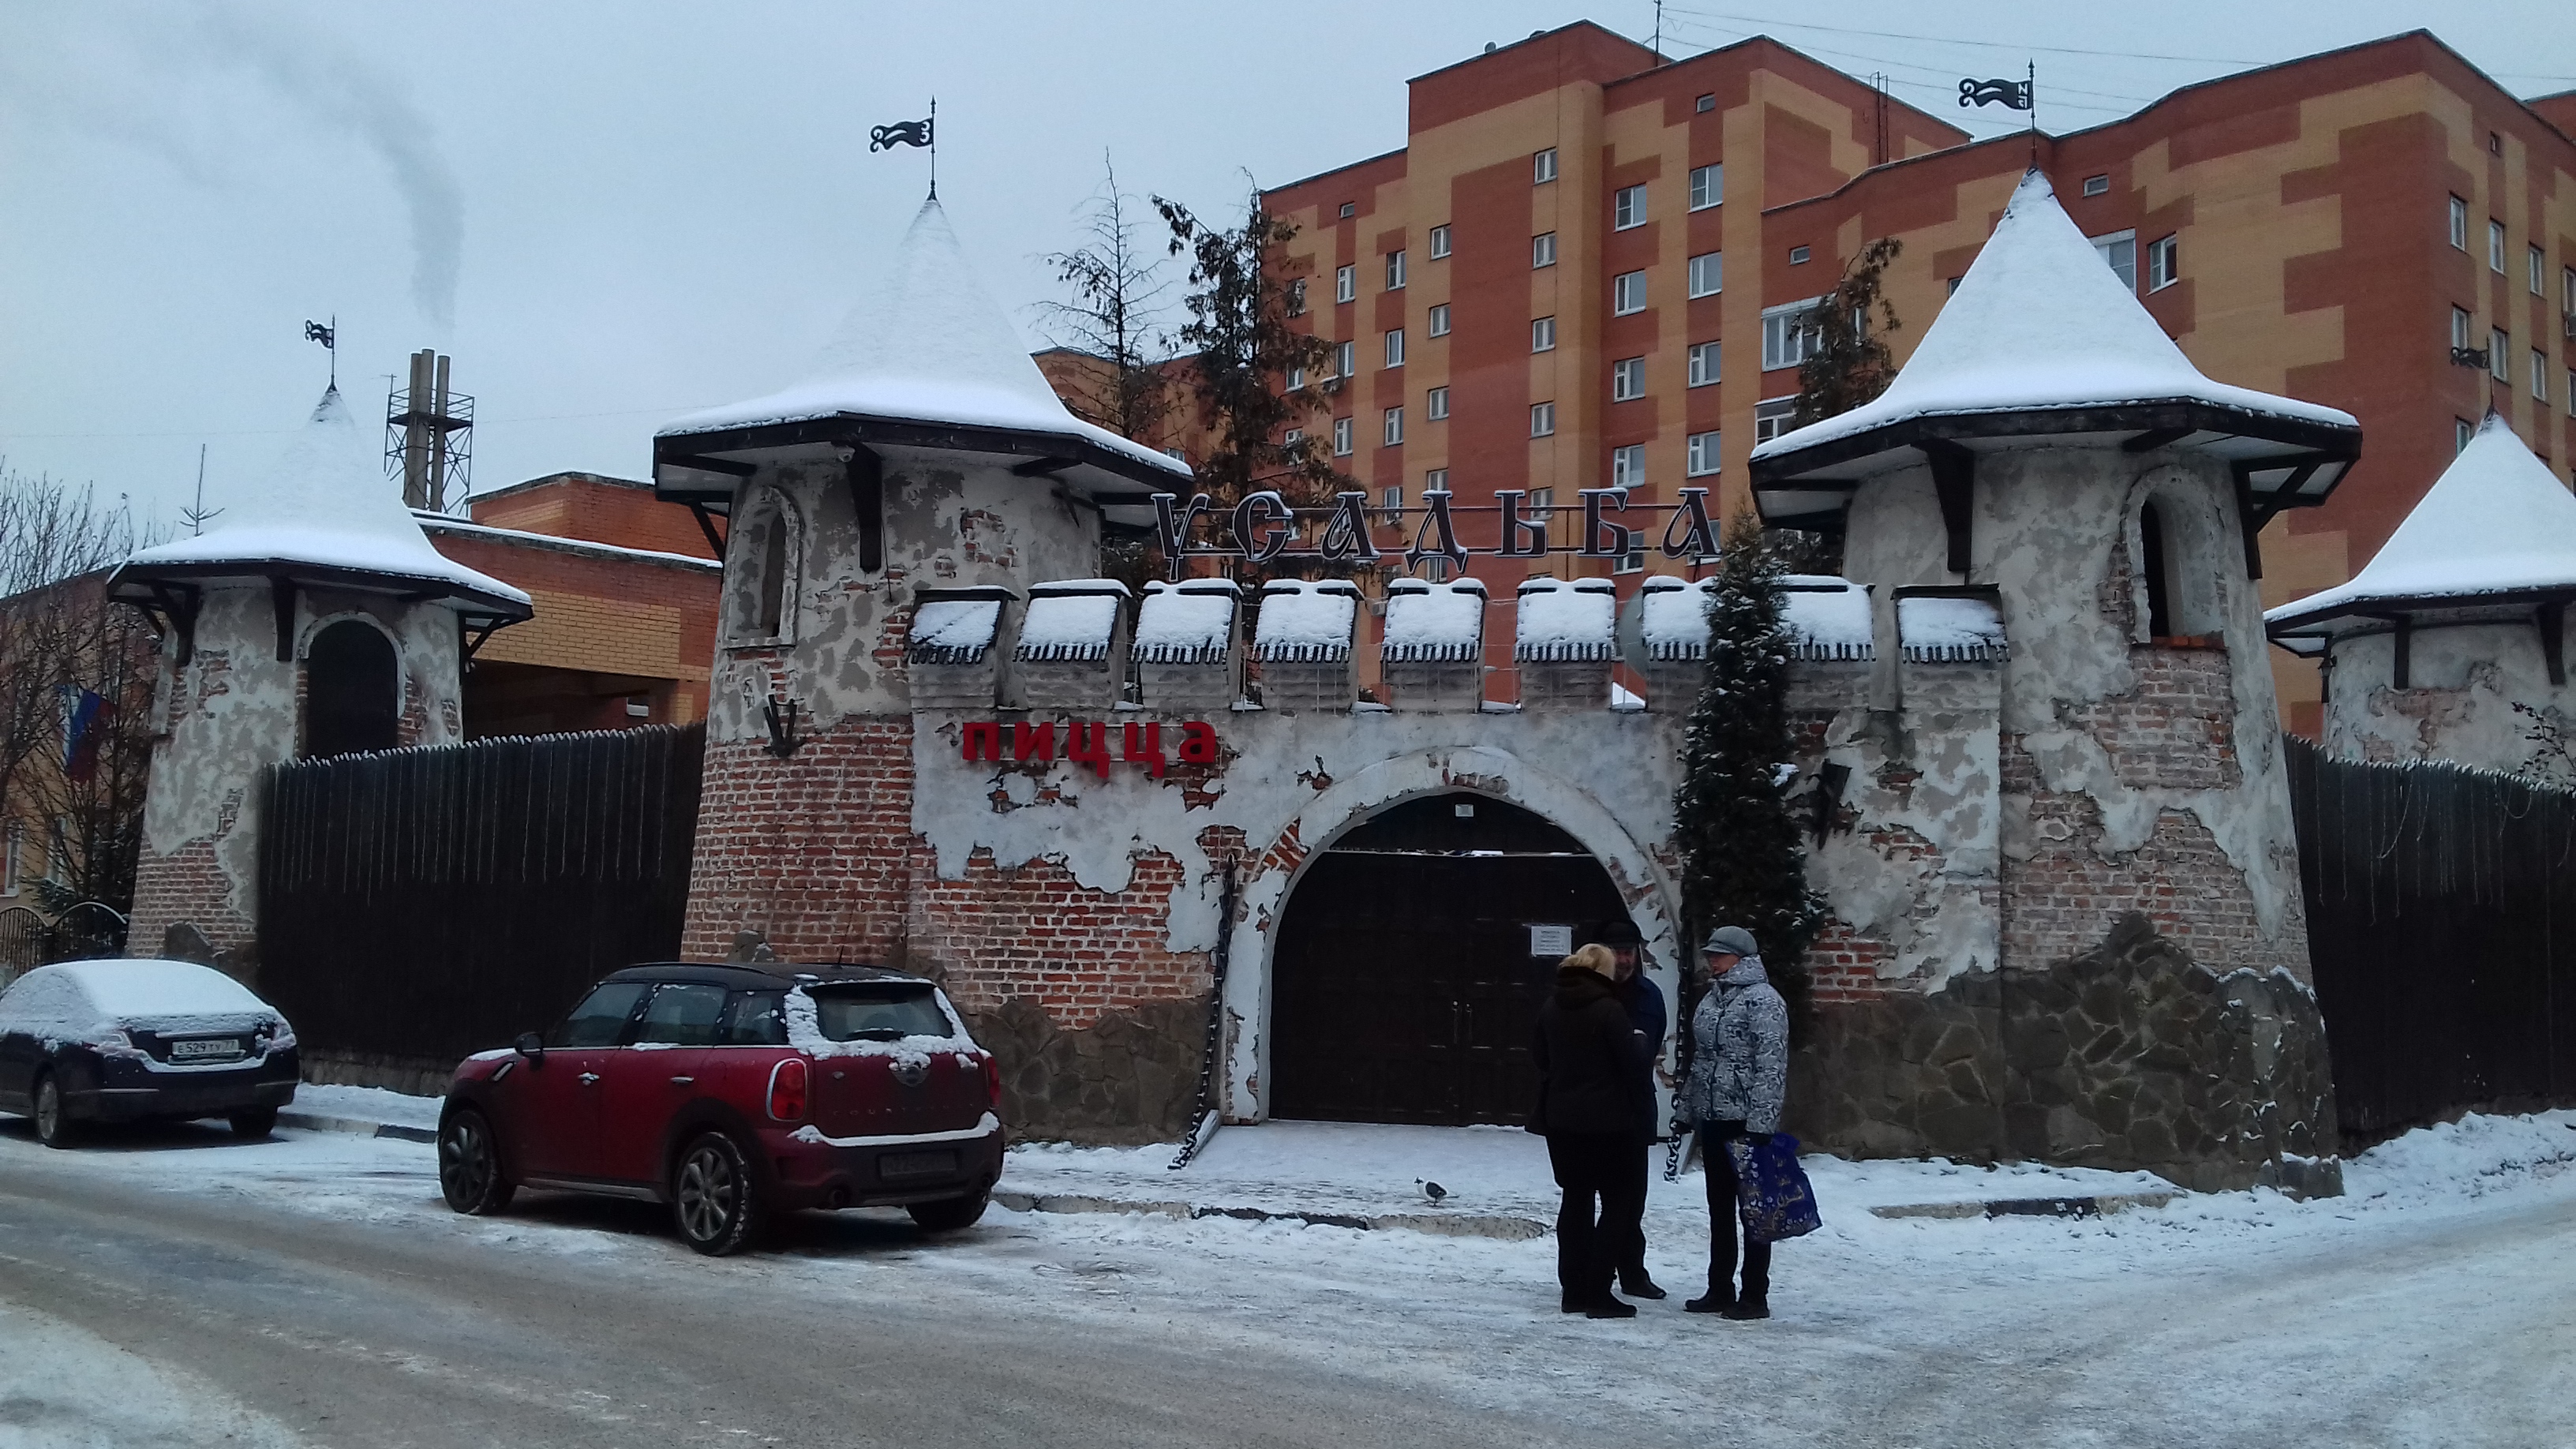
531,1046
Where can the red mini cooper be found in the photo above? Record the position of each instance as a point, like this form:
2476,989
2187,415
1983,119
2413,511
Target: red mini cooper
731,1092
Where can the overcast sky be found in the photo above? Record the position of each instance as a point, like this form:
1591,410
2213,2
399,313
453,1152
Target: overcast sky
610,214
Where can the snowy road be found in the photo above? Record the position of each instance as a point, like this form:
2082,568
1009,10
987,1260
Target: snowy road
178,1288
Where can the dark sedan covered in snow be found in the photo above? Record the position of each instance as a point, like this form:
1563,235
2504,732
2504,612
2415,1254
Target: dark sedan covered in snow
128,1041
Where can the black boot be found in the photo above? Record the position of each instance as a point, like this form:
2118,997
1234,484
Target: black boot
1719,1300
1608,1306
1638,1285
1747,1308
1570,1303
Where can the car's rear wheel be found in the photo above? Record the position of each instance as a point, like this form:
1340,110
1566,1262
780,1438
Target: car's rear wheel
949,1214
713,1197
469,1165
53,1119
254,1122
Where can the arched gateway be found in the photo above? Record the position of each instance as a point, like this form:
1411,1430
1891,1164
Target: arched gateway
1412,957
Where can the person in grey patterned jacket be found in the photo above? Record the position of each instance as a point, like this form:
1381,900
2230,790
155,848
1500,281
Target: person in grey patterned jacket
1738,1078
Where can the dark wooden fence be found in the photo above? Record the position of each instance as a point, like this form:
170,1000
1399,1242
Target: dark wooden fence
2442,928
422,904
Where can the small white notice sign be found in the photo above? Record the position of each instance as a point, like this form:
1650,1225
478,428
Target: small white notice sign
1551,940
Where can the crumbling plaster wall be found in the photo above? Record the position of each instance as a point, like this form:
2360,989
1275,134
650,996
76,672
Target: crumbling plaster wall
1290,782
228,714
946,525
2463,682
2056,532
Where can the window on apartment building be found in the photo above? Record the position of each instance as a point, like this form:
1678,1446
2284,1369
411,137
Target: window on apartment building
1707,274
1346,284
2539,266
1543,420
1297,297
1543,167
1627,208
2097,185
1543,334
1542,504
12,839
1177,455
1707,187
2495,246
1435,404
1628,466
2571,392
1627,293
1346,359
1341,437
1950,286
1395,348
1699,458
1395,271
1705,104
2119,251
1391,498
2164,262
1436,481
2495,143
1439,241
2459,329
1543,250
1631,562
2499,351
1798,256
1391,427
1703,364
1771,418
1292,438
2461,432
2540,374
2459,223
1787,332
1296,378
2567,291
1439,319
1628,379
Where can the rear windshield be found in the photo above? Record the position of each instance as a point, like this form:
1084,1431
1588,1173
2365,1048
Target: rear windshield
878,1011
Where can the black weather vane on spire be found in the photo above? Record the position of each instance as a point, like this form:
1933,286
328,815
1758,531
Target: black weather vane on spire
2020,95
328,334
923,133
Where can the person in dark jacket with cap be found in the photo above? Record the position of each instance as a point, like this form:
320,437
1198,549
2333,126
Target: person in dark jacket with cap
1738,1081
1597,1114
1644,1002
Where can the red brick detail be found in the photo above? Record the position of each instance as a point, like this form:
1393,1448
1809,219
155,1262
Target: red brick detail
1033,932
2176,729
813,851
2062,901
1848,966
188,884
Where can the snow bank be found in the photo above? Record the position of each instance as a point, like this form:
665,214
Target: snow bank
930,346
1306,620
1189,622
2040,323
1949,630
1434,623
1566,619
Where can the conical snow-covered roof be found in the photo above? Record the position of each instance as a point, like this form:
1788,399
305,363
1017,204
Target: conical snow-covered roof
324,515
2496,529
932,359
2043,339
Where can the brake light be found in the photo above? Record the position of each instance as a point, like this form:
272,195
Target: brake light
992,1080
787,1090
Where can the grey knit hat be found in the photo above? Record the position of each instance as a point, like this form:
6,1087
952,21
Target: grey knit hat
1731,941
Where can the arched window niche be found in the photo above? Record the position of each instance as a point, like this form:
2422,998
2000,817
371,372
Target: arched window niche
767,558
2177,562
352,691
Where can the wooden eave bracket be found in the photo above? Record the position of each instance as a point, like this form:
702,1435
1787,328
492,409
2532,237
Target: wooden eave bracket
1954,480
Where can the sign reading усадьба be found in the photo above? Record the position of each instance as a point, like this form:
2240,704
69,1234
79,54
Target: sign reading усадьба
1265,526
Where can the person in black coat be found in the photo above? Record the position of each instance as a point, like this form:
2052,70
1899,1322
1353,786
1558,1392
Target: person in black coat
1644,1002
1597,1113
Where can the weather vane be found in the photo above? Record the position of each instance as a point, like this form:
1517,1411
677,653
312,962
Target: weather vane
328,334
923,133
2020,95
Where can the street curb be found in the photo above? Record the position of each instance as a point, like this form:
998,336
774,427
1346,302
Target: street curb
2028,1207
1453,1225
313,1122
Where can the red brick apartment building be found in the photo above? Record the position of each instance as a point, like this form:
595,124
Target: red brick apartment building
1535,292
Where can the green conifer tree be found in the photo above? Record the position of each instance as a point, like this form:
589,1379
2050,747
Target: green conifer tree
1742,864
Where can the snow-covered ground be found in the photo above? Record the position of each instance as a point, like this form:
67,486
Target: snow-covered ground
61,1388
2435,1303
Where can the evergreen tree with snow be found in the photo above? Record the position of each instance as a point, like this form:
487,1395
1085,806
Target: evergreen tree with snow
1742,864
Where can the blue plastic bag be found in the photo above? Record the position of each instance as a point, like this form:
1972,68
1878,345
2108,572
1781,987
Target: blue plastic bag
1771,1190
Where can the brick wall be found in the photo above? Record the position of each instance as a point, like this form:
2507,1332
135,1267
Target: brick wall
188,884
621,511
602,615
2177,729
1032,932
813,851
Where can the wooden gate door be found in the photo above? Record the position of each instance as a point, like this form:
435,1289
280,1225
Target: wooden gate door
1404,987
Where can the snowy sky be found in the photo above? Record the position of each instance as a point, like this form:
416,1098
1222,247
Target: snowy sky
612,214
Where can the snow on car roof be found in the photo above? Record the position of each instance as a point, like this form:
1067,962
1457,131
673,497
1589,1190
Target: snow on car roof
151,988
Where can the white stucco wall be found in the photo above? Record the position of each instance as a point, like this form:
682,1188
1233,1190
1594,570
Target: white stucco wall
2463,682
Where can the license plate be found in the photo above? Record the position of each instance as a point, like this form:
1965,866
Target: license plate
916,1164
200,1051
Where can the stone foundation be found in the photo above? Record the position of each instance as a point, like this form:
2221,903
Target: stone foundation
2130,1056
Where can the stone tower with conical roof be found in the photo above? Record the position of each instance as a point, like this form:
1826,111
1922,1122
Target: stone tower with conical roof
2451,643
317,620
2067,921
923,472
